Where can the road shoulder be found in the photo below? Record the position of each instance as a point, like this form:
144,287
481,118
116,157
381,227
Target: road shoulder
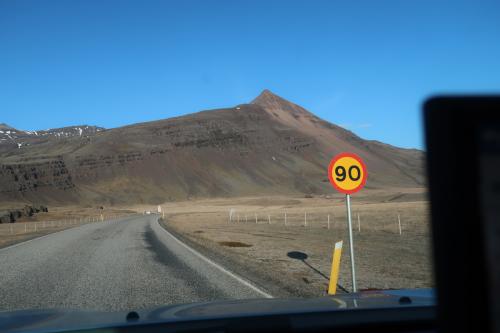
264,277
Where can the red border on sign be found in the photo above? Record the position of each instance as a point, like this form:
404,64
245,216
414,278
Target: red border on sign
357,158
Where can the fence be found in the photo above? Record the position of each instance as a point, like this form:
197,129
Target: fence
394,222
18,228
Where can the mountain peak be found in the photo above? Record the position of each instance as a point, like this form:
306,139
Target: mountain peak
278,105
266,97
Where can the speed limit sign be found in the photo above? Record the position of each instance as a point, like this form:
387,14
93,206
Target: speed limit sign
347,173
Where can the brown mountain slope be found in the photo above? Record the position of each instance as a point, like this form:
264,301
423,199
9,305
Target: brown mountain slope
387,164
270,146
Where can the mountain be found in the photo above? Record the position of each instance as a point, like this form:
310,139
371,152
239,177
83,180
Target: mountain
269,146
11,138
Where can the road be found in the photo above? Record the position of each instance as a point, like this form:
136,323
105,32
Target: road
122,264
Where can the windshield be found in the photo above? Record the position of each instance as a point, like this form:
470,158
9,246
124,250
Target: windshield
160,153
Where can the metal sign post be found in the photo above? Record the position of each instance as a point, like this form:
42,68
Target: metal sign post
347,173
351,243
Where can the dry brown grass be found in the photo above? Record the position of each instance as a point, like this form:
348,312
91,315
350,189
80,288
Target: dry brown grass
384,258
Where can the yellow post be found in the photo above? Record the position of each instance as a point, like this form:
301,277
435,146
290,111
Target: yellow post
334,275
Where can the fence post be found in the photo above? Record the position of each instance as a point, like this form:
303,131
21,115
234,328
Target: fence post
269,218
328,221
399,223
305,219
359,224
285,217
255,218
25,228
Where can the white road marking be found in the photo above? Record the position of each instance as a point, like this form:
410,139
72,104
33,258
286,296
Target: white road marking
222,269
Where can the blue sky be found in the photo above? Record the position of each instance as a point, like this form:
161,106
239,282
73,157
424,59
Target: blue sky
365,65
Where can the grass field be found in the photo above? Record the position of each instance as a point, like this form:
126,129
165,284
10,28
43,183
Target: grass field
257,236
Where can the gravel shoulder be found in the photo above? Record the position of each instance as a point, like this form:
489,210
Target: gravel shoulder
251,270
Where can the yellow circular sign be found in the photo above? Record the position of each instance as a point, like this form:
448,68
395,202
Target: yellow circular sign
347,173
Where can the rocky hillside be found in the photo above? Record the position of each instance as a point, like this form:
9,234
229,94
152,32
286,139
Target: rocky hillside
269,146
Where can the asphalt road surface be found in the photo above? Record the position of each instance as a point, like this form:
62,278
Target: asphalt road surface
123,264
